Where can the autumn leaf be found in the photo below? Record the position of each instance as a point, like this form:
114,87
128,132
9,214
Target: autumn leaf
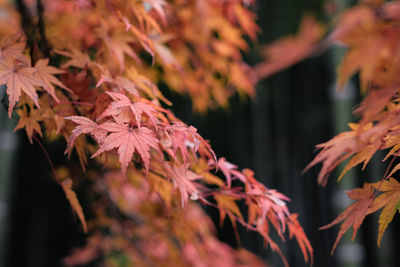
163,50
201,46
290,50
182,138
144,41
12,48
161,186
229,170
354,18
201,167
74,202
297,231
45,73
30,122
354,215
118,45
77,59
85,126
333,153
390,200
122,83
159,6
19,79
183,179
128,140
138,108
364,155
245,18
227,203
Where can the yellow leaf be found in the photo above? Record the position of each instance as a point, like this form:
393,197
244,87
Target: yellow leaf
225,204
162,187
386,217
212,179
390,200
74,202
363,156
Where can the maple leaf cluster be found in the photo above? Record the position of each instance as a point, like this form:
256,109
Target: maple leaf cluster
370,32
94,84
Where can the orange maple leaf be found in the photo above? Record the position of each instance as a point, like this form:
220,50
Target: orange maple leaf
297,231
390,200
227,203
354,215
290,50
29,121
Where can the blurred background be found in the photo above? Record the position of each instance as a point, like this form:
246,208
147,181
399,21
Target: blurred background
273,134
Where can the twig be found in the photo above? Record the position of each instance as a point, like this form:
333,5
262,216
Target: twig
48,158
388,167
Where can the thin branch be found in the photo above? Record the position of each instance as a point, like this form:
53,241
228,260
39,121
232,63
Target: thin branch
48,158
43,43
26,23
388,168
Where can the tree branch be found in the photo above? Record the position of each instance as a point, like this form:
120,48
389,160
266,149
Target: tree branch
27,24
43,43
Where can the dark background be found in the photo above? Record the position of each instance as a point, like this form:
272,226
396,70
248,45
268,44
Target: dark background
274,135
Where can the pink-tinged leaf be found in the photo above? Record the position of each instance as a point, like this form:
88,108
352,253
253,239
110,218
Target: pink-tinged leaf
138,108
17,80
144,40
290,50
128,140
355,214
45,74
159,6
333,153
229,170
183,138
122,83
271,201
86,126
77,59
118,44
12,48
182,178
